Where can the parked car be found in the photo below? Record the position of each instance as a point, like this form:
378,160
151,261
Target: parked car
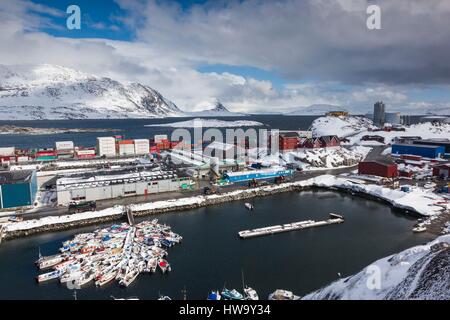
82,207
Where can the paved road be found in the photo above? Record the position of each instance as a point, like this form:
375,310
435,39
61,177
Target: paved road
103,204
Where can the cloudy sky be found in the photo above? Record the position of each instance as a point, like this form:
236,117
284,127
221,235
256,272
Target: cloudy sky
254,56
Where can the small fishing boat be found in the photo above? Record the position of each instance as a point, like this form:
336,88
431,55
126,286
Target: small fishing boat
164,265
167,298
85,278
231,294
250,294
105,279
214,295
152,264
249,206
129,278
48,276
281,294
71,276
50,262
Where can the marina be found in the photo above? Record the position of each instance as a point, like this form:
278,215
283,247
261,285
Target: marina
120,253
334,219
211,253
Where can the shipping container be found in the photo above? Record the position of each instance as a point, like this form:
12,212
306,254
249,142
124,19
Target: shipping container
159,137
22,159
106,146
7,151
141,146
64,145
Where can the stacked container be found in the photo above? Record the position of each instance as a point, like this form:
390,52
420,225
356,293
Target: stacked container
106,146
141,146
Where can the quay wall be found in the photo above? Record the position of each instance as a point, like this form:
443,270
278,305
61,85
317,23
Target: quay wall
195,202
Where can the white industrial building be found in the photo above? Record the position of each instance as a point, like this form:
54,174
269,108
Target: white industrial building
92,187
106,146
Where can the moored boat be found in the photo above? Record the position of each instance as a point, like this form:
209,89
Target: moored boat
249,206
105,279
231,294
164,265
281,294
129,278
214,295
48,276
250,294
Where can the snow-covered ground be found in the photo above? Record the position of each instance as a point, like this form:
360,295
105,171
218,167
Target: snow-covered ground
418,200
316,159
421,272
354,128
208,123
340,126
425,130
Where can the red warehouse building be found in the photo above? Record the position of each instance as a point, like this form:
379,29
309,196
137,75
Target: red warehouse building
288,141
378,168
442,171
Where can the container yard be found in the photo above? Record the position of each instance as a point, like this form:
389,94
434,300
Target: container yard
118,253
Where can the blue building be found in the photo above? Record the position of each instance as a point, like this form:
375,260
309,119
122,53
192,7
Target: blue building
425,151
17,188
271,173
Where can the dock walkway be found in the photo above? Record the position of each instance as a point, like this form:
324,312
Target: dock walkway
334,219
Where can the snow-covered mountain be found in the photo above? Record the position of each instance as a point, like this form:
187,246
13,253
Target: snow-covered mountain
34,92
421,272
219,110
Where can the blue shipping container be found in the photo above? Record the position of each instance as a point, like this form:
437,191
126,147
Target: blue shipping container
418,150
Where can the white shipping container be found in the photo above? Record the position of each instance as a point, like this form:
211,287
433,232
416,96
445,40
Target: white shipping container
64,145
7,151
22,159
86,152
141,146
106,146
126,149
160,137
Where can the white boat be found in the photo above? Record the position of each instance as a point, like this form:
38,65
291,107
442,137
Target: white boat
419,229
249,206
48,276
129,278
250,294
50,262
71,276
164,265
85,278
281,294
105,279
152,264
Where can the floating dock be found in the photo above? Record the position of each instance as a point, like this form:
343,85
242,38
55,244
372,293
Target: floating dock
334,219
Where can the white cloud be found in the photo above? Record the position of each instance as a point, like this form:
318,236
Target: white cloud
271,35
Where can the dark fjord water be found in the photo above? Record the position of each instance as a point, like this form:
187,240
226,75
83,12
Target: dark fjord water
211,254
131,128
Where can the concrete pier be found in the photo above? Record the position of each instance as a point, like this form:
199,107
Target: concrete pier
289,227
